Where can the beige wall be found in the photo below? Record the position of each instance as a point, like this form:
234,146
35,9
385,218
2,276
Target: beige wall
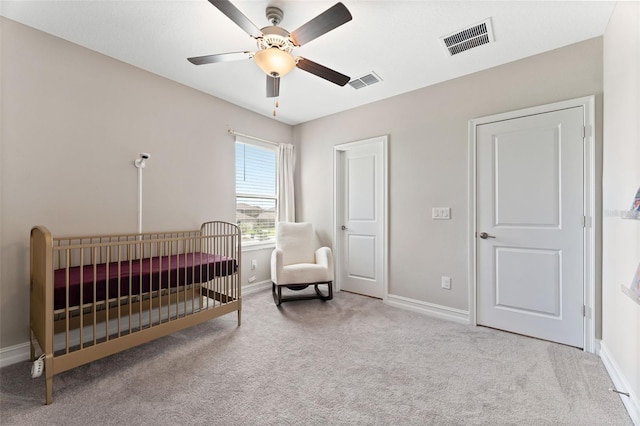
73,121
428,159
621,168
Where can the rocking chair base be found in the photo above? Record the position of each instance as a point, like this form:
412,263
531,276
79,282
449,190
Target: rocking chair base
278,298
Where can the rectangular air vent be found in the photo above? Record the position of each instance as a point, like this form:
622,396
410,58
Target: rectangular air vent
365,80
468,38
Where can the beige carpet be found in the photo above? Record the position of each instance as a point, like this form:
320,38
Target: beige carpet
349,361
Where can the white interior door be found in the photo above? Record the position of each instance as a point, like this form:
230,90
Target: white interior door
360,217
530,225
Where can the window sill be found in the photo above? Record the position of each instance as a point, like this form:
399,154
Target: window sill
254,246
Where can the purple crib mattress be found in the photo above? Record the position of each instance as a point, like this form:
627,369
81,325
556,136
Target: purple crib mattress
137,276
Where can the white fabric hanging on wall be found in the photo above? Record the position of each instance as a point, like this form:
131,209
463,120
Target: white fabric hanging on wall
286,197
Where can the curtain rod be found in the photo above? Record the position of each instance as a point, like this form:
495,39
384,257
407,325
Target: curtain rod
233,132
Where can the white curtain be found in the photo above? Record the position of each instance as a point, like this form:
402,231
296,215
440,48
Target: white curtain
286,198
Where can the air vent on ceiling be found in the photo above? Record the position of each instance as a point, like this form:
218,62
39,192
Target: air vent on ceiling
468,38
365,80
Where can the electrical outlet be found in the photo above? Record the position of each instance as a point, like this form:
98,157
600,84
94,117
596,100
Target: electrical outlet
446,283
254,264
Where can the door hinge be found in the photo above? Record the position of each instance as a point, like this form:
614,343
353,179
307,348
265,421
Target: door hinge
584,221
584,310
584,132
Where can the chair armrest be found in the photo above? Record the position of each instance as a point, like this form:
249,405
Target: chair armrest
276,264
324,257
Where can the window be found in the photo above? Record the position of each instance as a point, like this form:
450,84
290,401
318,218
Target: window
256,195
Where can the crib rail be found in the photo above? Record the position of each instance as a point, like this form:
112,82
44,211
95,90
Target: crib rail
99,249
94,296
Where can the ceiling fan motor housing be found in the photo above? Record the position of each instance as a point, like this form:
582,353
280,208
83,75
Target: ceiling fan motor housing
275,37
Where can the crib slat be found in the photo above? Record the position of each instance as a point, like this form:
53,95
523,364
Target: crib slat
187,247
108,296
119,326
150,254
81,304
95,277
140,286
66,311
130,293
194,245
160,291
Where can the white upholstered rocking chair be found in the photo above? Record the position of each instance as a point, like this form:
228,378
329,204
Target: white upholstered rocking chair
297,264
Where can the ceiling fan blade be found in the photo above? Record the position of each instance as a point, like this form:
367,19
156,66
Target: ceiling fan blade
322,71
273,87
220,57
233,13
328,20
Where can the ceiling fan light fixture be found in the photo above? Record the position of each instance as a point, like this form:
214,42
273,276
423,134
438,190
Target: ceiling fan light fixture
274,62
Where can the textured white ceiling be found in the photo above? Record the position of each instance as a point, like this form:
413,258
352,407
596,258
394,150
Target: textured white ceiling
398,40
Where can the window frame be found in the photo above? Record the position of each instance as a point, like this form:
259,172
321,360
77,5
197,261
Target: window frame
248,243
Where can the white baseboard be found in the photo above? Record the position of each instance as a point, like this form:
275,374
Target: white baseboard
631,403
596,347
15,354
430,309
255,287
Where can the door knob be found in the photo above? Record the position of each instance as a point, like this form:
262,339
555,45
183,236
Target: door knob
344,228
484,235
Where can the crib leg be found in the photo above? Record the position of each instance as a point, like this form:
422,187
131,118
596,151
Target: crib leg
49,385
48,370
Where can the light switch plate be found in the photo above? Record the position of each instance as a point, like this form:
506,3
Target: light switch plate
441,213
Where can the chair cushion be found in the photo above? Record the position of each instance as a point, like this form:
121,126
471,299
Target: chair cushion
296,242
304,273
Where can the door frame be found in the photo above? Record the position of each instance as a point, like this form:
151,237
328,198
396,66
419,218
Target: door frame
338,207
589,208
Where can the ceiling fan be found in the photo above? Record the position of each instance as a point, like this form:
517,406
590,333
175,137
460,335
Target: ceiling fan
275,44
